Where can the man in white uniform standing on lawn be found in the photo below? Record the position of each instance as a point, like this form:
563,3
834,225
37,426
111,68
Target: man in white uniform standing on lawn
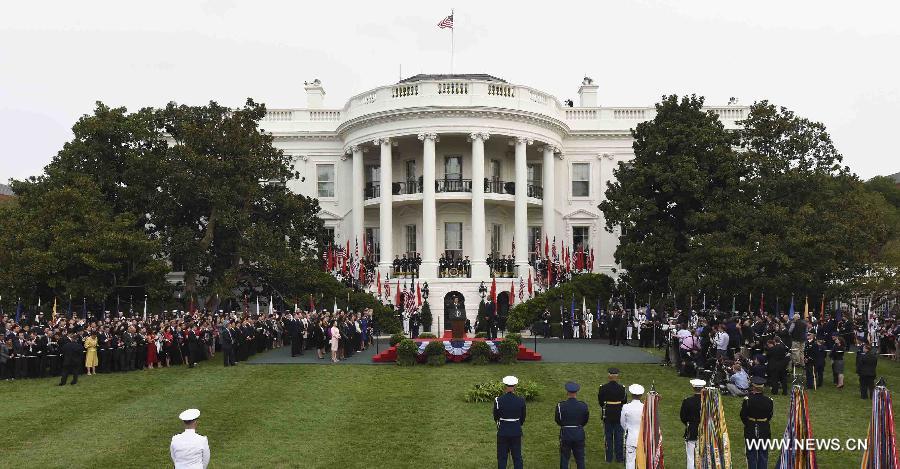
189,449
631,422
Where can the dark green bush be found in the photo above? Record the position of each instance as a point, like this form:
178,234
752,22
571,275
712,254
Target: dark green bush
487,391
434,353
426,316
396,338
480,353
555,329
509,351
481,335
515,336
427,335
406,352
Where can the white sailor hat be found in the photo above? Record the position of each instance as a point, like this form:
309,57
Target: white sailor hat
510,380
698,383
189,415
636,389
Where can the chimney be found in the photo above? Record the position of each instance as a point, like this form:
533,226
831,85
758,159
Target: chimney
315,94
587,93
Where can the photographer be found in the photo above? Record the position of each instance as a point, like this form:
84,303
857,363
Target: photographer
738,382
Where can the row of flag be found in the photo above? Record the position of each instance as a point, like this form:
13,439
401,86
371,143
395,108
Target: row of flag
346,262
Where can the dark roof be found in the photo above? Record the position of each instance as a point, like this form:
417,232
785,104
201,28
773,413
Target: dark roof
6,190
453,76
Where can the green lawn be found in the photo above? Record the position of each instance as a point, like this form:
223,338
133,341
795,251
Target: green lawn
317,416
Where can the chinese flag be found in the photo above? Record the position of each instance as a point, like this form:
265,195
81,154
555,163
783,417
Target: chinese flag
378,283
418,294
530,285
494,290
512,292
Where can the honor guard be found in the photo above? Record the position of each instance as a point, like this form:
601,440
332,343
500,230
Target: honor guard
571,416
509,413
631,422
756,412
189,449
612,397
690,417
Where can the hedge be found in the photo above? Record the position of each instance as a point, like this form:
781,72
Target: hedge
435,353
406,352
480,353
487,391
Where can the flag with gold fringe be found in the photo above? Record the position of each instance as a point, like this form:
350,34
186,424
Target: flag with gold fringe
881,444
649,449
713,445
798,429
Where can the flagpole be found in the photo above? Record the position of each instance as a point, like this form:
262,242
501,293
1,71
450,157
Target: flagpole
452,29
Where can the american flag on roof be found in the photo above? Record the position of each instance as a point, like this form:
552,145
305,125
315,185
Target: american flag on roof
446,22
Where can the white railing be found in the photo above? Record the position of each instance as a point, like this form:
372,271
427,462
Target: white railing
453,87
505,91
735,113
574,114
538,97
402,91
324,115
278,115
629,114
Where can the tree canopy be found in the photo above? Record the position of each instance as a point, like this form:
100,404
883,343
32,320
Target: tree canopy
766,208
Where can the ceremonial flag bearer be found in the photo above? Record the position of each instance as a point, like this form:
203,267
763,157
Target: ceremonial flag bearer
509,413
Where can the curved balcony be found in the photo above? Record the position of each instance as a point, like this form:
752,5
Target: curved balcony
453,185
373,189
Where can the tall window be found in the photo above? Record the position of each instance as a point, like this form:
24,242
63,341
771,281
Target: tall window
453,167
581,185
373,243
534,174
373,174
329,235
496,236
410,240
495,170
453,240
581,238
535,245
410,170
325,179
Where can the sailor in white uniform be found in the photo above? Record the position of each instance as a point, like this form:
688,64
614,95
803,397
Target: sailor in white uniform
189,449
631,423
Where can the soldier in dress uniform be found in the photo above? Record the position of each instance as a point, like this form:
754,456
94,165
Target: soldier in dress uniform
756,412
571,416
467,266
189,449
631,422
690,417
612,397
509,413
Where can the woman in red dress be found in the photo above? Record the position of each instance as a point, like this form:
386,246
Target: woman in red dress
151,350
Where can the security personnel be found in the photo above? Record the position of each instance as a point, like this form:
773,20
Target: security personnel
189,449
690,417
509,413
631,422
571,416
756,412
612,397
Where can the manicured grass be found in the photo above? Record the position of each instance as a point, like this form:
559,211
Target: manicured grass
319,416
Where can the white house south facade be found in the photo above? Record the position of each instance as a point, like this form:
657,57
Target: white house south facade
400,166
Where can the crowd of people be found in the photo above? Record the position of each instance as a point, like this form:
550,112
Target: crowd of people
35,346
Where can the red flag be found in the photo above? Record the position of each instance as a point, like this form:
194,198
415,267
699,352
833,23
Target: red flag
312,304
549,273
365,248
591,267
530,285
418,294
512,292
399,299
362,274
546,247
762,303
378,283
494,290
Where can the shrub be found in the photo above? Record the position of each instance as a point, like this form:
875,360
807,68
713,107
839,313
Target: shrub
434,353
426,316
480,353
396,338
509,351
487,391
406,352
555,329
515,336
481,335
427,335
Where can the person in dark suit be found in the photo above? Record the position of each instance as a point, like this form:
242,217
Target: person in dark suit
571,416
73,360
509,414
690,417
293,329
866,363
756,412
226,337
612,397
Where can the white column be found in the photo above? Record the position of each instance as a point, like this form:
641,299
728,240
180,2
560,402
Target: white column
549,206
357,211
386,219
429,265
521,233
479,266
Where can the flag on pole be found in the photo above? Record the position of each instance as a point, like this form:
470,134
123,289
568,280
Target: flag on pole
257,304
881,444
335,305
84,307
312,304
494,291
798,428
649,453
522,286
53,315
398,303
145,308
378,282
446,22
713,445
512,292
546,247
791,309
271,305
762,303
806,308
584,308
572,312
19,311
530,285
418,294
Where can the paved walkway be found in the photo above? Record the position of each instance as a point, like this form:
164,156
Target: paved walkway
552,351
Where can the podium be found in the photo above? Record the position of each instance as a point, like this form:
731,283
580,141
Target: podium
458,327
